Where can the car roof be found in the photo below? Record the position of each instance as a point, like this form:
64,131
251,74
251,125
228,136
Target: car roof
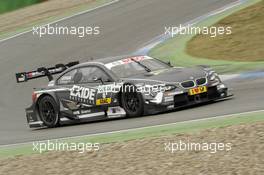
98,62
107,60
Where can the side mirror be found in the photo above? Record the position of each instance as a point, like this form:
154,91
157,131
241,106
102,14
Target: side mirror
95,79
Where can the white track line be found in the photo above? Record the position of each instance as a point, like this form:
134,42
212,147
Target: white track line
168,124
77,14
136,129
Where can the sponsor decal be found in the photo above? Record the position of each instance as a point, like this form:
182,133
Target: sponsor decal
76,113
173,93
103,101
198,90
115,112
127,61
79,112
133,59
169,99
82,94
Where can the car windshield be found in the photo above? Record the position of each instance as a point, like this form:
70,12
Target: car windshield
136,65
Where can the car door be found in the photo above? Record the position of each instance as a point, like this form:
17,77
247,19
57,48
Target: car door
81,90
95,78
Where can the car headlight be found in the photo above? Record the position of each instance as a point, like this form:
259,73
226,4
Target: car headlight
212,76
169,87
154,90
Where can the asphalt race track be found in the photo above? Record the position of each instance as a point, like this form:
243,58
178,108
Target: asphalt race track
125,26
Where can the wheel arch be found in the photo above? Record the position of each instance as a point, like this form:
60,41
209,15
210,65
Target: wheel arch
119,94
139,93
57,110
44,95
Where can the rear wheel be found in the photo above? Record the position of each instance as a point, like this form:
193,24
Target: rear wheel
132,101
48,111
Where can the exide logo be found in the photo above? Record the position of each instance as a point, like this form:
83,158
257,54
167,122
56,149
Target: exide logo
82,93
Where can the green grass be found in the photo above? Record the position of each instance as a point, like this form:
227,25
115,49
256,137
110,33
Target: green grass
174,49
244,44
156,131
10,5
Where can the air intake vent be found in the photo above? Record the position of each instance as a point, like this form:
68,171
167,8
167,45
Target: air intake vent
200,81
188,84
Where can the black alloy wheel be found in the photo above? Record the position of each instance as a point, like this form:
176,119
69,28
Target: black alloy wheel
48,111
132,101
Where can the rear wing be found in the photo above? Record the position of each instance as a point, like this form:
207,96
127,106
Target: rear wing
43,72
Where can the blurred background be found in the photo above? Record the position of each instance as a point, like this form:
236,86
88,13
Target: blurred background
10,5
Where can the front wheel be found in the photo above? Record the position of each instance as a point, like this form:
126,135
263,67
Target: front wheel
132,101
48,111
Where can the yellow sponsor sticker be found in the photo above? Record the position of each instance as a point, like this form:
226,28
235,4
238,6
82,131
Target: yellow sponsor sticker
103,101
198,90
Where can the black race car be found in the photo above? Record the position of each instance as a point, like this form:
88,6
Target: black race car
126,86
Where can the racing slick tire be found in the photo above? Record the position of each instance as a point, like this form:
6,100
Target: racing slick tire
48,111
132,101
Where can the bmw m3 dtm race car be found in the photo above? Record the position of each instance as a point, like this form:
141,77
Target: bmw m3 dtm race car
124,86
